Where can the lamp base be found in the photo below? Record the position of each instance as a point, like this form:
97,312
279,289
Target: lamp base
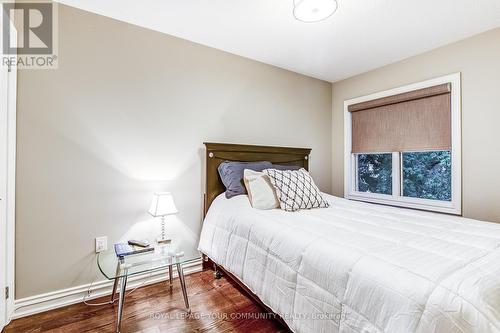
163,241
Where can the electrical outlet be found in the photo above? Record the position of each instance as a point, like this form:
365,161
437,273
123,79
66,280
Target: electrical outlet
101,244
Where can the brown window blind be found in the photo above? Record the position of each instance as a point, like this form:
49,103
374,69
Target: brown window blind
415,121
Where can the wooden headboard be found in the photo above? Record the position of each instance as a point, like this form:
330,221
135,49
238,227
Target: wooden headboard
216,153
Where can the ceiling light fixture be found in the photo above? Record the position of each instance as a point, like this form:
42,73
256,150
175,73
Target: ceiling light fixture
310,11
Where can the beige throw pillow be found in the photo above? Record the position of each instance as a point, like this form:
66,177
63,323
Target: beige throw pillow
261,192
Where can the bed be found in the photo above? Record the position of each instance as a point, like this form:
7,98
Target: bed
353,267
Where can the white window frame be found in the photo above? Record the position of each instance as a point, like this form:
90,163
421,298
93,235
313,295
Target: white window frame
396,199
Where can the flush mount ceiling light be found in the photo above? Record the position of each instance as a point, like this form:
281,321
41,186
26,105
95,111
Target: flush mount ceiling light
314,10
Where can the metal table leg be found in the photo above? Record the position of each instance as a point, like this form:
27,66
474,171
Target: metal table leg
115,284
171,275
121,301
183,285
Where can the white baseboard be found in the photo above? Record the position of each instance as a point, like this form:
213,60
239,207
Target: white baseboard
59,298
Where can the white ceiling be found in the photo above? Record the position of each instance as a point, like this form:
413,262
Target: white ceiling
360,36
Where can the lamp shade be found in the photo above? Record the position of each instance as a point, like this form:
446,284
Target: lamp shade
162,204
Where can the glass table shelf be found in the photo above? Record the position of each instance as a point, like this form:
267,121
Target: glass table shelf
163,257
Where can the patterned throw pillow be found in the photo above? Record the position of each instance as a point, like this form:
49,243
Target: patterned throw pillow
296,190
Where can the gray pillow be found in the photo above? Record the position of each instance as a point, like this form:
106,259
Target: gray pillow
231,174
286,167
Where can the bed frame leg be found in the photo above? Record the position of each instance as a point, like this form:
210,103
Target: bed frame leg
206,262
209,264
217,273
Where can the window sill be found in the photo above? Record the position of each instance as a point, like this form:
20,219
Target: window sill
447,207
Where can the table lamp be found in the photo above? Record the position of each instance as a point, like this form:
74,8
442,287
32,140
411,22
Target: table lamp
162,205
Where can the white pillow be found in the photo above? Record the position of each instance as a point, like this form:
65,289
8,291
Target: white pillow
296,189
261,192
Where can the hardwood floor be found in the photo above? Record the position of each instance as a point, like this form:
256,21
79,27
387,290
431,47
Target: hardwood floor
217,306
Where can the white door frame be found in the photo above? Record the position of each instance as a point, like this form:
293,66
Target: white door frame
8,193
11,190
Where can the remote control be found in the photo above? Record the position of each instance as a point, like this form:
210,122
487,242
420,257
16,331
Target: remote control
144,243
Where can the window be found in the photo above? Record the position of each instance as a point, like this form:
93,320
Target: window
427,175
402,147
374,173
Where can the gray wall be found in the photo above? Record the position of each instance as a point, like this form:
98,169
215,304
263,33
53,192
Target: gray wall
478,58
125,115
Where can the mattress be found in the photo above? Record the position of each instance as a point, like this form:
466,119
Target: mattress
358,267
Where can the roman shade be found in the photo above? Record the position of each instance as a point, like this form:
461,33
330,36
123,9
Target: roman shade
419,120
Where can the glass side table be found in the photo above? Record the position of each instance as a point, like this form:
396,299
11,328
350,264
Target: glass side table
163,257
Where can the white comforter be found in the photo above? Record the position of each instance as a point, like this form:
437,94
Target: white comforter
357,267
